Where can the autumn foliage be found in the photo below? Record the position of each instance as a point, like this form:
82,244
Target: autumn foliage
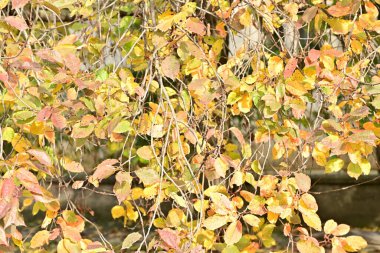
206,117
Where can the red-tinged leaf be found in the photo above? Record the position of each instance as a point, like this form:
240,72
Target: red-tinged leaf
170,237
309,14
58,120
41,156
104,170
5,206
239,136
69,232
3,237
339,10
290,67
313,56
14,217
170,67
54,234
363,136
29,180
74,167
8,188
17,22
19,3
44,114
196,26
72,62
49,55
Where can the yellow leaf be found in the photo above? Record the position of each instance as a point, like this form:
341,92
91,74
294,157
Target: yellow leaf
330,226
214,222
275,66
356,46
233,233
145,152
252,220
354,243
340,26
130,240
19,143
334,165
312,220
245,19
308,247
3,3
40,239
117,211
365,166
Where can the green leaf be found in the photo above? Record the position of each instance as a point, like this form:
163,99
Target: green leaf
354,170
7,134
334,165
122,127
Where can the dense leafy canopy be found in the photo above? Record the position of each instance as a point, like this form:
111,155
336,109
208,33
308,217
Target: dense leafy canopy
217,109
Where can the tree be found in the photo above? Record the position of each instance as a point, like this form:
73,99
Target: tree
215,109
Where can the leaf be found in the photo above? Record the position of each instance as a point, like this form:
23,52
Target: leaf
341,230
104,170
334,165
291,65
40,239
170,67
330,226
80,132
17,22
275,66
3,4
170,237
312,220
122,127
214,222
309,14
73,166
266,235
19,3
8,134
117,212
256,167
252,220
354,243
354,170
58,120
308,246
196,26
28,180
303,182
148,176
339,10
130,240
233,233
340,26
145,152
41,156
